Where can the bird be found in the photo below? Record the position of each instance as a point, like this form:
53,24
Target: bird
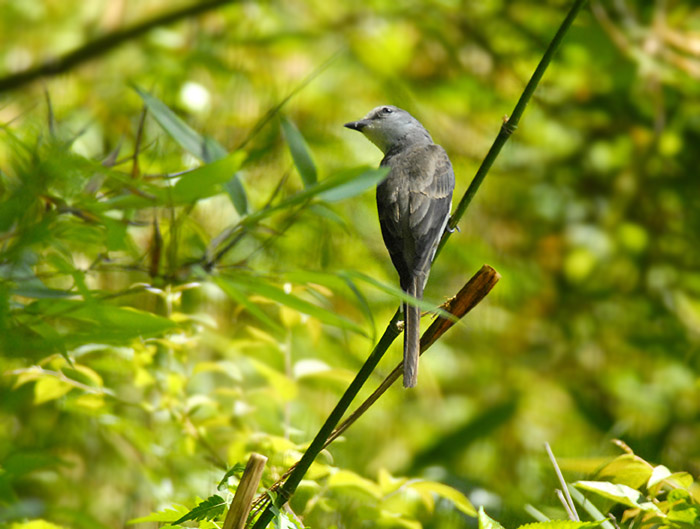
413,202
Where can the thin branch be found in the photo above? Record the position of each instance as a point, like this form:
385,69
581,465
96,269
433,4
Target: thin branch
104,44
564,497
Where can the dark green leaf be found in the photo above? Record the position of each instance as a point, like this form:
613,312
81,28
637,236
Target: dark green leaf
207,180
300,153
236,192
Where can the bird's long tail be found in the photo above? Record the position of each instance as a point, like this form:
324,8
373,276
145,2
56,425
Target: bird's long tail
411,334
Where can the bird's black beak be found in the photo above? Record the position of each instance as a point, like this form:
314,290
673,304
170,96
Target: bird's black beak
356,125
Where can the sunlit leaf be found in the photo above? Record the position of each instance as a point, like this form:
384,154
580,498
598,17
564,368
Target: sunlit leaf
626,469
486,522
168,515
262,288
619,493
35,524
346,478
460,501
50,388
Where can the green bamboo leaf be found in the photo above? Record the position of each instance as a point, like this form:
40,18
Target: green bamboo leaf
273,293
461,502
206,149
236,192
207,180
400,294
300,153
240,297
364,179
302,197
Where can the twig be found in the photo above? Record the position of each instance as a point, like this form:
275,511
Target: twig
104,44
240,506
564,497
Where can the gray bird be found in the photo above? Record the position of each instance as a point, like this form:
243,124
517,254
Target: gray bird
414,203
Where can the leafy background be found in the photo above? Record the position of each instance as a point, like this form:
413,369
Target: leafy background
137,364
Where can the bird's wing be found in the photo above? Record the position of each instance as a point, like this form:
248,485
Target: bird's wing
414,203
431,182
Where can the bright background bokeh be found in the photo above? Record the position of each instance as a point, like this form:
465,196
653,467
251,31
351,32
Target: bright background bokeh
590,215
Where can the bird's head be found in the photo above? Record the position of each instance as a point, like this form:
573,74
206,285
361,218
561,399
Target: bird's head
390,127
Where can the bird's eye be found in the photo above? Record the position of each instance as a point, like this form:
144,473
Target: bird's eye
387,110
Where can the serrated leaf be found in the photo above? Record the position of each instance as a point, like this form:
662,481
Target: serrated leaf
486,522
460,501
206,149
208,509
300,153
619,493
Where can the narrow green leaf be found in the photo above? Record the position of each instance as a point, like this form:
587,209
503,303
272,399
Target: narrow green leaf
207,180
300,153
306,195
236,192
354,186
264,289
206,149
238,296
460,501
400,294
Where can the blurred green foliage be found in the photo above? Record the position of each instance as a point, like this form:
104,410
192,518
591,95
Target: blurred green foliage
156,327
